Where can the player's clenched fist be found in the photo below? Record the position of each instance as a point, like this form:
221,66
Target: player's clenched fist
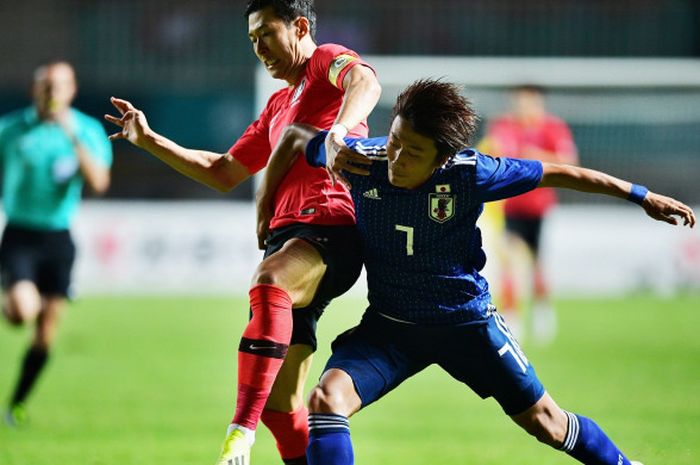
133,123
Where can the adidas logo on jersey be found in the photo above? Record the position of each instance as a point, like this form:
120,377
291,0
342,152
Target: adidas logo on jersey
372,194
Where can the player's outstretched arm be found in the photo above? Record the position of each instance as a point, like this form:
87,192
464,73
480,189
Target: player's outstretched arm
657,206
218,171
292,142
362,92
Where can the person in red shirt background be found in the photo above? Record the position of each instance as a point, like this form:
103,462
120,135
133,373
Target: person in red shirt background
313,252
529,131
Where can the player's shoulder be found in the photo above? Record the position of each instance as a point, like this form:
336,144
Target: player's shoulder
333,49
465,159
554,121
86,120
463,165
371,147
88,125
16,121
333,57
506,119
18,116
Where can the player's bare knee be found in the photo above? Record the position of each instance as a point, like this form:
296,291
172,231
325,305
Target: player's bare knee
324,400
547,430
265,275
23,302
11,316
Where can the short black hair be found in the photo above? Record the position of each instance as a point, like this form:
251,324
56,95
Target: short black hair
438,110
287,10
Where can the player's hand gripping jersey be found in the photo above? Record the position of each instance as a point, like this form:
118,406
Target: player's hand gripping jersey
306,195
425,269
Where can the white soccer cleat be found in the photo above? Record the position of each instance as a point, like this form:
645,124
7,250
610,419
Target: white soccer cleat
236,449
632,462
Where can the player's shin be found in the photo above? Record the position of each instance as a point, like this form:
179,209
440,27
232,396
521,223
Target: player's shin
34,361
329,440
291,431
588,444
262,350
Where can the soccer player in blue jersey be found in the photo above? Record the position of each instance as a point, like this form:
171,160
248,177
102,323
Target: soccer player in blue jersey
418,194
47,152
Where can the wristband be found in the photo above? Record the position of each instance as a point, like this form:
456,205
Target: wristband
637,194
339,129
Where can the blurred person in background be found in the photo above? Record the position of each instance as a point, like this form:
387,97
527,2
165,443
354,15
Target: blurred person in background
529,131
47,153
312,254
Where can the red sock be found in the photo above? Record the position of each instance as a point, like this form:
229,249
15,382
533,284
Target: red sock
262,350
291,431
507,293
541,289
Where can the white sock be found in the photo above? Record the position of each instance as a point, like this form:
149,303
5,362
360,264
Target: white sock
249,433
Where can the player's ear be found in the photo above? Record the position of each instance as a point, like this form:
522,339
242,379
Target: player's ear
303,26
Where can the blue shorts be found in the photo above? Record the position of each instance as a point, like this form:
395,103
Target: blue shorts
379,354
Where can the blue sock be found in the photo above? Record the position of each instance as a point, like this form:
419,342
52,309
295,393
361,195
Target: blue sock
329,440
588,444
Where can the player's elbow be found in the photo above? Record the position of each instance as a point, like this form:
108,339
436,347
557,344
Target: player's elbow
555,174
374,88
363,77
225,174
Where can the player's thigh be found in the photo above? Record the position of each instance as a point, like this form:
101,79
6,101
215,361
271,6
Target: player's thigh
22,302
18,273
487,358
56,265
340,248
297,267
288,390
374,356
335,393
526,231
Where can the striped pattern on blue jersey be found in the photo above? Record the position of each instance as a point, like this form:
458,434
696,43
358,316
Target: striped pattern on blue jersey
423,250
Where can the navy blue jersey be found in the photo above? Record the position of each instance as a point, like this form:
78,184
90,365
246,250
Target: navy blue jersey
422,246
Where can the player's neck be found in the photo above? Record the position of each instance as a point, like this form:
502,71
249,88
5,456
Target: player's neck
306,49
530,120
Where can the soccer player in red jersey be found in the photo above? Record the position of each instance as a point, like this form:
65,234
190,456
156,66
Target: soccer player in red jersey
529,131
313,231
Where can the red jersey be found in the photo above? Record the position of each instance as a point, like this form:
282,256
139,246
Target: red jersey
306,194
512,138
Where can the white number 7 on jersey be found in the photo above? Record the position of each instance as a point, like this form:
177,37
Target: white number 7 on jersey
409,237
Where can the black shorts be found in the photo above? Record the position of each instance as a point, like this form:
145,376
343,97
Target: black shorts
43,257
529,229
341,251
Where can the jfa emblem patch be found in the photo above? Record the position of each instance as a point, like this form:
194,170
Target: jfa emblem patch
441,204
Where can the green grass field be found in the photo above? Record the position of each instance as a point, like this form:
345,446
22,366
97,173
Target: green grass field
152,381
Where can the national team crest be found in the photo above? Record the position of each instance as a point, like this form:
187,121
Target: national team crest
441,204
